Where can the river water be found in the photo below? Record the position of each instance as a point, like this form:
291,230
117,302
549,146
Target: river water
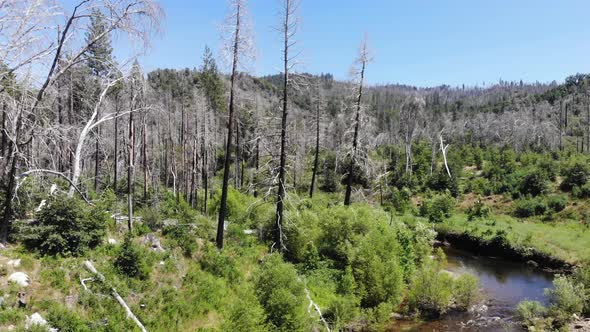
503,284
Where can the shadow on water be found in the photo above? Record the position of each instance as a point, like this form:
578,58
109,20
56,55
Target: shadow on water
503,284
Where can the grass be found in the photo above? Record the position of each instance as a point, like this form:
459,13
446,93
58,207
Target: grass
566,240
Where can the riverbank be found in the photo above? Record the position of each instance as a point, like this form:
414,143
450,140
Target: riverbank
502,283
552,246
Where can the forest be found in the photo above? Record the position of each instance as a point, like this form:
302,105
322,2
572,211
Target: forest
213,199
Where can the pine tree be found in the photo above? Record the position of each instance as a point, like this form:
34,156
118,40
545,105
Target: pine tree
211,82
99,56
99,60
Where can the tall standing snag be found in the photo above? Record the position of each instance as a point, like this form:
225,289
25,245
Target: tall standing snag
362,61
317,144
288,30
239,43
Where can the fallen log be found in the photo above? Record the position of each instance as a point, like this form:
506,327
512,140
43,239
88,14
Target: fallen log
116,295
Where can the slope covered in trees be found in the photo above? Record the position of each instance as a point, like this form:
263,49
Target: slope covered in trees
195,199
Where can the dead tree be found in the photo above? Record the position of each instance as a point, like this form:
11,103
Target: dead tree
135,18
317,142
238,44
409,117
361,61
288,29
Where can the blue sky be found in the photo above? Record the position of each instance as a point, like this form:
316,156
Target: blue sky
418,42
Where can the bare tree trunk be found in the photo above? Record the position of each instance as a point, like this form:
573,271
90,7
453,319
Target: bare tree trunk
130,175
287,34
205,175
183,180
145,160
357,121
96,158
4,137
408,156
561,126
317,151
444,148
90,124
257,165
237,158
116,139
230,120
9,192
193,175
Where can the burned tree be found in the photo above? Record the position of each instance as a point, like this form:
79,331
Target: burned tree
361,62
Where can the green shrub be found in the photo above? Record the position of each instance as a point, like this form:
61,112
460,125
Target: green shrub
566,298
282,295
181,236
465,291
440,181
438,208
430,290
529,312
480,186
130,260
342,311
175,207
237,205
219,264
529,207
245,313
400,199
581,276
557,203
151,218
534,183
376,268
575,174
65,320
66,226
581,191
478,210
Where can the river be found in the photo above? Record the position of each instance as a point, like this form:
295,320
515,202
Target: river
503,284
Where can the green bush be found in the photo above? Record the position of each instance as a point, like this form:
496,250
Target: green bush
219,264
282,295
400,199
566,298
65,320
130,260
245,313
151,218
575,174
581,191
529,312
438,208
557,203
376,268
181,236
534,183
581,276
330,180
465,291
66,226
237,205
478,210
529,207
430,290
440,181
175,207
